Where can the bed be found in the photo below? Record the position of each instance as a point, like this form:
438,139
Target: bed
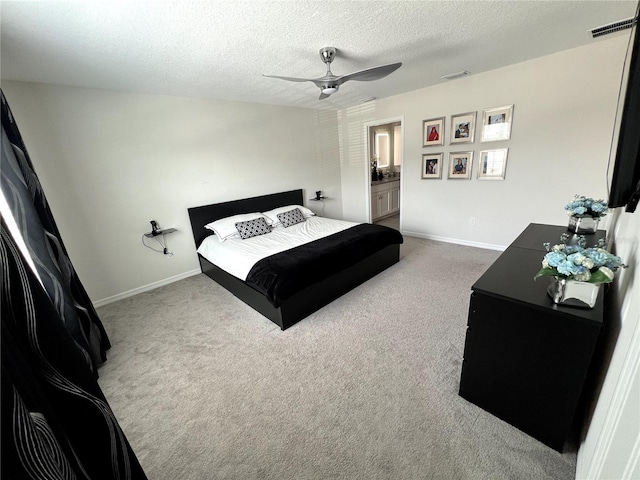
315,290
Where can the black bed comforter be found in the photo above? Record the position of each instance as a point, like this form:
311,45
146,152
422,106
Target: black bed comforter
281,275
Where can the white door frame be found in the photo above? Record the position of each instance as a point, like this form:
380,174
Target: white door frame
367,166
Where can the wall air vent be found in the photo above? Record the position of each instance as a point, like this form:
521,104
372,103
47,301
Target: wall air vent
612,27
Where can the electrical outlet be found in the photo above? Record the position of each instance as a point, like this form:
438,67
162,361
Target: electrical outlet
472,221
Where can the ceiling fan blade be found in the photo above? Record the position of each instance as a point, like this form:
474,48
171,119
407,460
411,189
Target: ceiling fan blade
369,74
318,81
291,79
324,95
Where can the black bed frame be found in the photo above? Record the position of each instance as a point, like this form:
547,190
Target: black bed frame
305,301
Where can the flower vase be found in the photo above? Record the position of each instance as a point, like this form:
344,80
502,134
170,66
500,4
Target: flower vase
583,224
572,293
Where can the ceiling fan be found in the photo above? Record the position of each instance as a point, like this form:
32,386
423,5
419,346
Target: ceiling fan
330,83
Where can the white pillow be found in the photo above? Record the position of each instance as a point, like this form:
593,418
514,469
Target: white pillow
226,227
273,214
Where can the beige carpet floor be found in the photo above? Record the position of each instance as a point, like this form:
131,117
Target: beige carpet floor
366,388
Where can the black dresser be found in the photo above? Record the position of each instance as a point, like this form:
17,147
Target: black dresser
525,358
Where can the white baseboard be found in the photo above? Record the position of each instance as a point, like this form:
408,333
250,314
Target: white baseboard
145,288
175,278
457,241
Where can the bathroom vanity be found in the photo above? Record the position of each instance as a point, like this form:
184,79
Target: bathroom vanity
385,197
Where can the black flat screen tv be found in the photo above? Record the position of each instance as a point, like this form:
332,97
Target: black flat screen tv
625,182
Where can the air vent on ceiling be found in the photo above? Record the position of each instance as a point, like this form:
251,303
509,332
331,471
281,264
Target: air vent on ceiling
451,76
612,27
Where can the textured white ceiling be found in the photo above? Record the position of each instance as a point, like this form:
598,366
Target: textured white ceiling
220,49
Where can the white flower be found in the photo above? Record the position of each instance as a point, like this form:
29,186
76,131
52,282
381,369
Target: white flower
608,272
577,258
583,277
588,263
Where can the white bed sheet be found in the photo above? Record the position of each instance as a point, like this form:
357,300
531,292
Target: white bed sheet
237,256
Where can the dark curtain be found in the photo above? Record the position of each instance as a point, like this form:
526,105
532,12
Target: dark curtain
28,203
56,422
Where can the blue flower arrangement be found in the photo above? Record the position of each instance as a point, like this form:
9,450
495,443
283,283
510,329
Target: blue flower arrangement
579,263
582,206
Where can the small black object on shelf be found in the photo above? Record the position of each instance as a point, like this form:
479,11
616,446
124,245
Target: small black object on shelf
156,230
155,233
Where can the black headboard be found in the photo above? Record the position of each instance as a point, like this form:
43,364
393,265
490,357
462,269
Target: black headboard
200,216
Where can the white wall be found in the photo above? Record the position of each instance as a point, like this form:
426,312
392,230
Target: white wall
110,162
564,112
611,448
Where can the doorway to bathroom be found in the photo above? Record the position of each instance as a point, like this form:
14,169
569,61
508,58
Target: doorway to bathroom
384,171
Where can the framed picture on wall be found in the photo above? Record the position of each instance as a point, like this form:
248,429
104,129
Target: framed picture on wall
493,164
460,165
433,132
432,165
463,128
496,124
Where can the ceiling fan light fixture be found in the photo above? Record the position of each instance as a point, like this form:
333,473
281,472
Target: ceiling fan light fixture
329,89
